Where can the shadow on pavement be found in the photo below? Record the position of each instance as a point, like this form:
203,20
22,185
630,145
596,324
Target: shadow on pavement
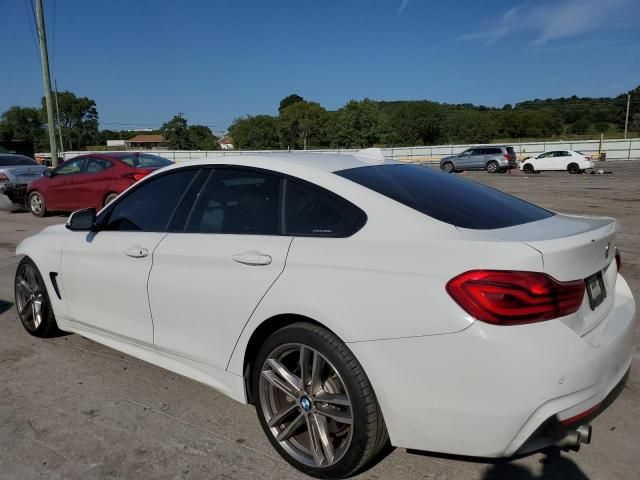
5,306
555,466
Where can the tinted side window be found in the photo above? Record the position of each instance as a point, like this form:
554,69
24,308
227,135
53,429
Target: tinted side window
95,165
453,200
70,167
245,202
312,211
149,207
494,151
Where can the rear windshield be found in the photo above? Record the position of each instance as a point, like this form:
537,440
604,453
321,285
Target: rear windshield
6,161
144,160
445,197
510,150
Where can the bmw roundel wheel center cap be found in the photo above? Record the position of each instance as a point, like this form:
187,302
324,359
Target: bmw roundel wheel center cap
305,403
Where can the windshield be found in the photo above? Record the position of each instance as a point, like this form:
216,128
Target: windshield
459,202
145,160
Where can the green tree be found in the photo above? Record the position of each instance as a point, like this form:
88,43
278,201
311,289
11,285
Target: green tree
78,120
416,123
21,123
202,137
255,133
176,134
288,101
301,124
357,125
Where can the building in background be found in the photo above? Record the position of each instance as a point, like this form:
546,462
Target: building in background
116,143
226,143
146,142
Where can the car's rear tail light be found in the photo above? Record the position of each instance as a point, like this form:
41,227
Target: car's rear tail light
3,178
504,297
136,176
618,259
507,157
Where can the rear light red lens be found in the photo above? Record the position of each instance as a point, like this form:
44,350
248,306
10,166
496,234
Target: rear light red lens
3,178
507,157
136,176
504,297
618,259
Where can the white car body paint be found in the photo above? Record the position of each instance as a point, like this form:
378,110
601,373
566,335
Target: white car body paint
546,161
440,376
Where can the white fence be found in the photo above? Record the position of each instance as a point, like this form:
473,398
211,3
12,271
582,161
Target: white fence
614,149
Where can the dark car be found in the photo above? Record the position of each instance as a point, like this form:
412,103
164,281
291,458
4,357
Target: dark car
91,180
493,159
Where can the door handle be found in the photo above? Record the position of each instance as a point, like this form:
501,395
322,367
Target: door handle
252,258
136,252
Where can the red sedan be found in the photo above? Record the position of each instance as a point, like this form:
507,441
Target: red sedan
89,181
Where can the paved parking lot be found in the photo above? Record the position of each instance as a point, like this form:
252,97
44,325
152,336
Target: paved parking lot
70,408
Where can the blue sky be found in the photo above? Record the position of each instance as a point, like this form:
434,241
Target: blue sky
143,61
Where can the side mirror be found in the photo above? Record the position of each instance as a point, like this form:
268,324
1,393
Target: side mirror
82,220
47,173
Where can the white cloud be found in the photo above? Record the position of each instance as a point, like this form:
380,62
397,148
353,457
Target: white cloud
565,19
403,6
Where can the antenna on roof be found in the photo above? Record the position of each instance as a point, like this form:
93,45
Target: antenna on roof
370,155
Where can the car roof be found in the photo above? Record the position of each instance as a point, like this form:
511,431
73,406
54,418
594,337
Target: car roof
330,162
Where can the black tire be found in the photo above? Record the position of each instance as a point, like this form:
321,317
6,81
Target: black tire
493,167
37,205
367,432
109,198
528,168
573,168
29,284
448,167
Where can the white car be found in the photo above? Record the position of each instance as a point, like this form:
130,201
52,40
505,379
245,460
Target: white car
562,160
354,301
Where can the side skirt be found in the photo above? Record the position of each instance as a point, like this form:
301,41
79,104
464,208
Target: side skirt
225,382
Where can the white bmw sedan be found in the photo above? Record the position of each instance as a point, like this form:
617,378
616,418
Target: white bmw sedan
356,302
560,160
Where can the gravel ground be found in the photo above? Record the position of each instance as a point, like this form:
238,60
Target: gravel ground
73,409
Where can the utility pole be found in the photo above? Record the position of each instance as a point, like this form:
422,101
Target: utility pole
44,59
626,120
55,83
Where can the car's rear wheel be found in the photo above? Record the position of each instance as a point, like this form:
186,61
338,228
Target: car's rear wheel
573,168
448,167
493,167
32,301
528,168
36,204
110,198
315,403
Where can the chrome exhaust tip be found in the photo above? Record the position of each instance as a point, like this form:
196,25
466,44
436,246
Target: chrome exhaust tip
575,438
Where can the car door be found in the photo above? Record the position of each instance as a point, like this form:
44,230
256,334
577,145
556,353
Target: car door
92,185
466,159
212,270
60,191
544,161
104,274
561,160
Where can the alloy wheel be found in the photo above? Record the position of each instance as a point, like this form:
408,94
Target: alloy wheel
30,297
306,405
36,204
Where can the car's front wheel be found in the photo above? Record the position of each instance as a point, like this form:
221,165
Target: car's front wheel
447,167
528,168
36,204
315,402
32,301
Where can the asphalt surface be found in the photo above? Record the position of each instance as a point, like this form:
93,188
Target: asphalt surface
73,409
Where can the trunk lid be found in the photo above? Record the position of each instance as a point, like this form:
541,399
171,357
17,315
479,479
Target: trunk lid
572,248
24,174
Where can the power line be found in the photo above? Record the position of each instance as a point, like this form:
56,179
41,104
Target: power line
31,20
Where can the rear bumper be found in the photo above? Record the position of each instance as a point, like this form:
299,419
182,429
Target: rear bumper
438,392
12,196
